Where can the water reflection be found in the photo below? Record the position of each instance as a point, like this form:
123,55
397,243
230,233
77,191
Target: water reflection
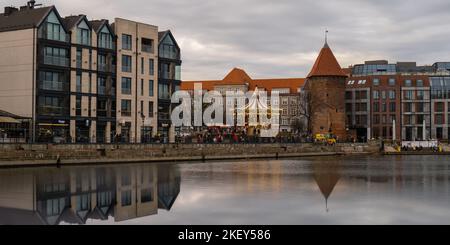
78,194
330,190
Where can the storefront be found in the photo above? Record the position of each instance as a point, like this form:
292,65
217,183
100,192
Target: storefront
82,131
56,131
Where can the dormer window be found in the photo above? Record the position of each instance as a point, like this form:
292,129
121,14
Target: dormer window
83,34
52,29
105,39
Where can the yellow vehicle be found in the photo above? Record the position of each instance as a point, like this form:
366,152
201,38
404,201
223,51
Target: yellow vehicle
320,138
331,141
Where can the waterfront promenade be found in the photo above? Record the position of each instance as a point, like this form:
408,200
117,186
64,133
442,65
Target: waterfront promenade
22,155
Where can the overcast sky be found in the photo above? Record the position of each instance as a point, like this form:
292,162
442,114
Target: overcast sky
282,38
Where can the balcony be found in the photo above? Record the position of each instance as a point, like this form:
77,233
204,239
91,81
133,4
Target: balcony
126,113
147,48
53,85
106,68
52,110
56,61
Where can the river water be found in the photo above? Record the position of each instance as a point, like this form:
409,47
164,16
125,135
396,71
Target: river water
325,190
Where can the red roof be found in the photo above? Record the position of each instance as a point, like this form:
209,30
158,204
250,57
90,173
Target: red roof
326,64
240,77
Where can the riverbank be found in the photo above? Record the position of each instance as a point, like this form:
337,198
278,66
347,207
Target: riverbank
26,155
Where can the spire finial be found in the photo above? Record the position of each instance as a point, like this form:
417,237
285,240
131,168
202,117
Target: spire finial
326,36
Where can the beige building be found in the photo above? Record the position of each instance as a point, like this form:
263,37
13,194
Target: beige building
137,76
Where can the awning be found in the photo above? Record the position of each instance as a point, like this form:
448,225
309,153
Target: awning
8,120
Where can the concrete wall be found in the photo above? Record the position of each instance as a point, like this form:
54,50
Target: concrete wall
16,72
17,153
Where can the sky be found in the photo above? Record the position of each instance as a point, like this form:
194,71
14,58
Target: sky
281,39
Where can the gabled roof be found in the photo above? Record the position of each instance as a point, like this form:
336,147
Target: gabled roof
97,25
326,64
237,75
71,21
163,34
24,19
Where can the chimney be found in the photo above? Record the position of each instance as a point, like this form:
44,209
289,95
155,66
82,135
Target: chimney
23,8
10,10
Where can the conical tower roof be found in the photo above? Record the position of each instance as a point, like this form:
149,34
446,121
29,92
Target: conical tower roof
326,64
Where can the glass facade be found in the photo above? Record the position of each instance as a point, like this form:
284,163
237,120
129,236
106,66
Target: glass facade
52,29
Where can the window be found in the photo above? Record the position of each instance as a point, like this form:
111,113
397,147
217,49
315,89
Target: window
408,83
150,109
392,107
78,106
51,81
126,108
105,39
79,58
51,106
126,42
147,45
142,66
376,119
383,119
392,94
141,112
101,85
391,81
376,82
439,119
348,107
376,95
383,95
150,88
419,83
348,95
376,107
83,34
163,91
126,63
126,198
78,83
408,95
420,119
102,63
420,107
146,195
52,29
151,65
126,85
420,95
439,107
142,87
384,107
56,56
168,48
408,107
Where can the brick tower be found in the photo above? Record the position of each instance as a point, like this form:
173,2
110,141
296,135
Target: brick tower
326,88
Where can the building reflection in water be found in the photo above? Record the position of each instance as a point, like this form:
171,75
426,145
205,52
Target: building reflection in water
77,194
327,175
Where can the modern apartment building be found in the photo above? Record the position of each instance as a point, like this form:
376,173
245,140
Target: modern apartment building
137,100
169,81
400,101
86,81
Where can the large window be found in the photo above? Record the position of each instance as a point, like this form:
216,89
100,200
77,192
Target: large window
126,63
150,109
439,107
51,106
105,39
392,94
56,56
101,86
126,42
126,198
83,34
52,29
409,95
151,64
126,108
51,81
376,95
126,85
168,49
102,64
163,91
391,81
150,88
78,83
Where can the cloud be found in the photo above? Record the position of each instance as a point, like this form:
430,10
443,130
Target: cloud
281,38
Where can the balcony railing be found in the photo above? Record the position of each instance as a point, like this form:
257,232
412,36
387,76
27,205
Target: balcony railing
57,61
53,86
102,113
147,48
52,110
101,90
